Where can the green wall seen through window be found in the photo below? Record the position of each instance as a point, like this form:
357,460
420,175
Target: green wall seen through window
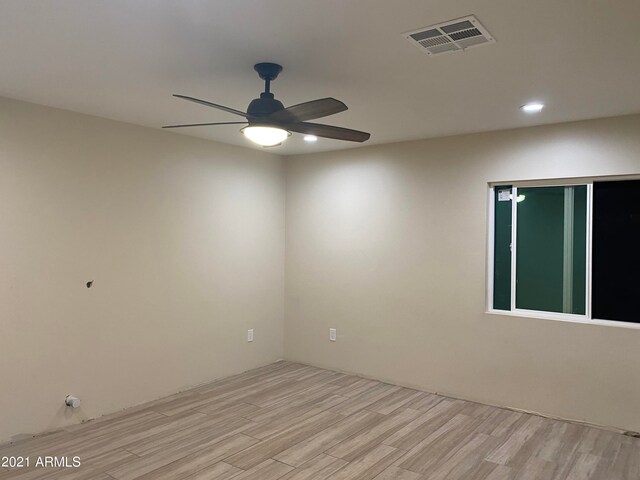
502,248
551,249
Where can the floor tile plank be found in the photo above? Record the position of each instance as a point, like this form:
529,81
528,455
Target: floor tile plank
297,422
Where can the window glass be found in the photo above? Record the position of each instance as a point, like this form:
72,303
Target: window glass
616,251
502,249
551,249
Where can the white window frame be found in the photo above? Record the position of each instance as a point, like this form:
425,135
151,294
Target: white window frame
516,312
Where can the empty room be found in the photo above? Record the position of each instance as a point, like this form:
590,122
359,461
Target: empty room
319,240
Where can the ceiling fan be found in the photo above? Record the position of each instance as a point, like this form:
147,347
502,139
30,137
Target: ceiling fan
269,123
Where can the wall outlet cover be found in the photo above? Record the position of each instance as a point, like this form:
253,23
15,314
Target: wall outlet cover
250,335
333,336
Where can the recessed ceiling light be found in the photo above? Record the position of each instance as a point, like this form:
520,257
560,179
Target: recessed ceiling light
310,138
533,107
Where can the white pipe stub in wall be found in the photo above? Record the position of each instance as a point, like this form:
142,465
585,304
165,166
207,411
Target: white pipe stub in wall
71,401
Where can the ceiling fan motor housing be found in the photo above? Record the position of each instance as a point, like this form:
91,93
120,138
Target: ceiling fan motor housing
263,106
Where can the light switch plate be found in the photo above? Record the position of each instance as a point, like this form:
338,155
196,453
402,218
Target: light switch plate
250,335
333,335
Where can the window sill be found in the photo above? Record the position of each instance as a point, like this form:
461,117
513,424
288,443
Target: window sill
561,317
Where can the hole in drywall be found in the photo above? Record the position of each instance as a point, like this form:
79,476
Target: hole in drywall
89,283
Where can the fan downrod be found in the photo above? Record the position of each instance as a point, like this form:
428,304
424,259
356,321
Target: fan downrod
267,72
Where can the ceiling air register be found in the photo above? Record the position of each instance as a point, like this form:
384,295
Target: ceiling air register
452,36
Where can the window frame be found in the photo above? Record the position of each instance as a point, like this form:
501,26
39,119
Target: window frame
515,312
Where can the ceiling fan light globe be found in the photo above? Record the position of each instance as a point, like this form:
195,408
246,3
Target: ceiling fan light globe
265,136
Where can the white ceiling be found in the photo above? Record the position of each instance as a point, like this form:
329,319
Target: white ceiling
122,59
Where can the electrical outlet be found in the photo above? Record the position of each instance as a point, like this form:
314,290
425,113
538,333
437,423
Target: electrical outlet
250,335
333,335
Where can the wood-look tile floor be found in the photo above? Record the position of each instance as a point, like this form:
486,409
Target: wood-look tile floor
294,422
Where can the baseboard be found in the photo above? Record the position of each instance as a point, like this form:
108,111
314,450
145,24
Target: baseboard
458,397
15,440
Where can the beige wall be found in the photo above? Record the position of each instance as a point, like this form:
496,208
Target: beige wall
388,245
184,239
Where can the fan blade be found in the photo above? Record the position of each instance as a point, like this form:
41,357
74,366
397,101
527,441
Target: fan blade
309,110
205,124
329,131
209,104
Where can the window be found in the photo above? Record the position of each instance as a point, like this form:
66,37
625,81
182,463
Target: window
551,256
616,251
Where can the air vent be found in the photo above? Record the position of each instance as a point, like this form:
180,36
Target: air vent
453,36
